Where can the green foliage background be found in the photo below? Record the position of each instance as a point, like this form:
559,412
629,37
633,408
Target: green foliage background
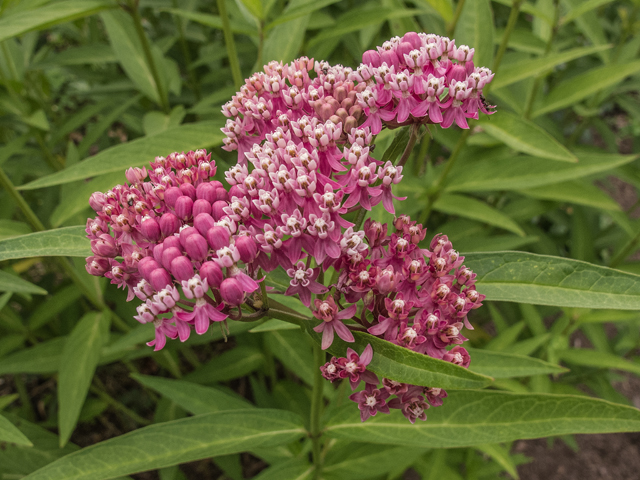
91,87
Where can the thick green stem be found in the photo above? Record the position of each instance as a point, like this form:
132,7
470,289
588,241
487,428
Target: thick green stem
234,63
511,23
315,430
435,192
359,220
451,28
146,47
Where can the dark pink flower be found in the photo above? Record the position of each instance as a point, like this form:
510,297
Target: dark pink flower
370,401
327,311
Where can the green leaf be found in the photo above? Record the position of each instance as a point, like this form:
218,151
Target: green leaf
525,136
584,7
273,324
294,351
294,469
38,120
78,363
509,173
231,364
42,358
61,242
509,365
13,228
136,153
285,40
501,456
53,306
363,461
577,191
468,207
254,7
506,337
212,21
594,358
403,365
578,88
13,283
475,28
398,145
443,7
179,441
192,397
48,15
471,418
515,72
95,53
10,434
299,10
156,122
546,280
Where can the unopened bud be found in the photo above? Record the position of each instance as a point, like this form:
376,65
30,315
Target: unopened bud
169,224
218,237
217,209
201,206
188,190
168,255
247,248
231,291
184,207
181,268
171,195
150,229
196,247
159,278
203,222
213,273
146,266
206,191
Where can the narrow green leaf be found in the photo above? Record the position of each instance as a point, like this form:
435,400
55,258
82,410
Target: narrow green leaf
398,145
525,136
13,283
294,351
78,363
136,153
583,8
546,280
51,307
578,88
594,358
509,365
475,28
528,346
10,434
192,397
273,324
231,364
403,365
254,7
364,461
509,173
576,191
61,242
300,10
443,7
212,21
501,456
506,337
515,72
601,316
95,53
471,418
48,15
294,469
43,358
285,40
468,207
172,443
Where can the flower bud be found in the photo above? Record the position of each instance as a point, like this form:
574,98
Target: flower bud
217,209
184,233
97,201
203,222
188,190
157,252
97,266
146,266
222,194
349,124
181,268
371,57
213,273
171,195
235,191
218,237
159,278
135,175
172,241
404,49
150,229
231,291
206,191
196,247
104,246
169,224
184,207
168,255
201,206
247,248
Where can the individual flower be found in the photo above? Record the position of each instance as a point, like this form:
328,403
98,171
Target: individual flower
327,311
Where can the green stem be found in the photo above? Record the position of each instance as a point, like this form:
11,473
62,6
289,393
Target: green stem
315,431
451,28
234,63
186,54
625,252
511,23
423,157
410,144
359,220
263,293
536,83
31,217
146,47
443,176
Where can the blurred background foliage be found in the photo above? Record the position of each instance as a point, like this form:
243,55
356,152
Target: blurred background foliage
89,87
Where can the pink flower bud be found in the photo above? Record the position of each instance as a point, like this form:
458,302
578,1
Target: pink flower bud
168,255
201,206
104,246
159,278
169,224
231,291
146,266
172,241
185,233
216,184
218,237
150,229
213,273
135,175
222,194
172,194
247,248
181,268
157,252
203,222
217,209
97,201
206,191
184,207
97,266
371,57
196,247
235,191
188,190
404,49
413,38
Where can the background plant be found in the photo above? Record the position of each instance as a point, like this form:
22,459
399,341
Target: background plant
90,88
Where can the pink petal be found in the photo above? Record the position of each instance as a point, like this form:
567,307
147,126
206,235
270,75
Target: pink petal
367,355
343,332
327,337
347,312
201,320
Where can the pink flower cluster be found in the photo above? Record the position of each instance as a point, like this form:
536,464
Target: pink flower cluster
168,228
414,297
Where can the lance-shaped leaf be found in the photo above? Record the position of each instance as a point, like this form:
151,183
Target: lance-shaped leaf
547,280
61,242
578,192
13,283
231,364
509,365
525,136
10,434
136,153
594,358
48,15
404,365
42,358
470,418
78,363
475,27
172,443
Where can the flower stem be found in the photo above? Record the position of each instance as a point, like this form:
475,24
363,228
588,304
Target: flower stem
234,63
316,412
456,16
410,144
